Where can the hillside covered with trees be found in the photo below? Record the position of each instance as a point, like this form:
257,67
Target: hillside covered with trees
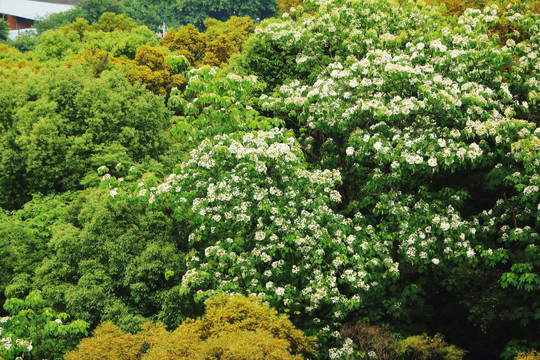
327,179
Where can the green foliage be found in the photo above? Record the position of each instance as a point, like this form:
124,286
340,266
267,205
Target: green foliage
67,121
56,21
256,9
110,22
24,241
273,61
213,105
232,328
371,113
108,261
423,347
178,63
433,182
236,29
93,10
121,43
4,29
57,44
88,10
154,13
282,234
404,189
24,43
35,331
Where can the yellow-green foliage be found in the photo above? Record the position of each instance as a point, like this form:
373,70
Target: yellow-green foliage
235,327
152,70
457,7
219,51
531,355
423,347
108,343
504,30
215,46
110,22
284,6
96,59
231,314
187,41
14,66
236,29
152,57
80,26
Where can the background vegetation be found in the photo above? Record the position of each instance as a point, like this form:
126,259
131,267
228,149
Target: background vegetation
345,180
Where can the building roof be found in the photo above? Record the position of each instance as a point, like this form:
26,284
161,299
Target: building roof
34,10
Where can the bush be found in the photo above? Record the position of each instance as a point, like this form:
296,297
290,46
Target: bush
234,327
371,339
108,343
423,347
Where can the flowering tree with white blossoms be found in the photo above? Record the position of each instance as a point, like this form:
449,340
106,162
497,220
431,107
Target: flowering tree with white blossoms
435,130
262,223
411,173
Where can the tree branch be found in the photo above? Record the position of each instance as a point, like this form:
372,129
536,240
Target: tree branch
511,208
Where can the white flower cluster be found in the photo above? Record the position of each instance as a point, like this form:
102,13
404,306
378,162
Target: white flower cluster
7,343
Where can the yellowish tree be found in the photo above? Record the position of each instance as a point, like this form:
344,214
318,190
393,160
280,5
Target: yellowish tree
187,41
234,327
219,51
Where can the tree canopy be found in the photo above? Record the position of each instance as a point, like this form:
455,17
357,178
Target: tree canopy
368,168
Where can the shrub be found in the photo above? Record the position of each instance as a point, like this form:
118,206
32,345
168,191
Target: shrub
108,343
423,347
234,327
371,338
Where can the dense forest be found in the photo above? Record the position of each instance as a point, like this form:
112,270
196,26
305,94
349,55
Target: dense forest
327,179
